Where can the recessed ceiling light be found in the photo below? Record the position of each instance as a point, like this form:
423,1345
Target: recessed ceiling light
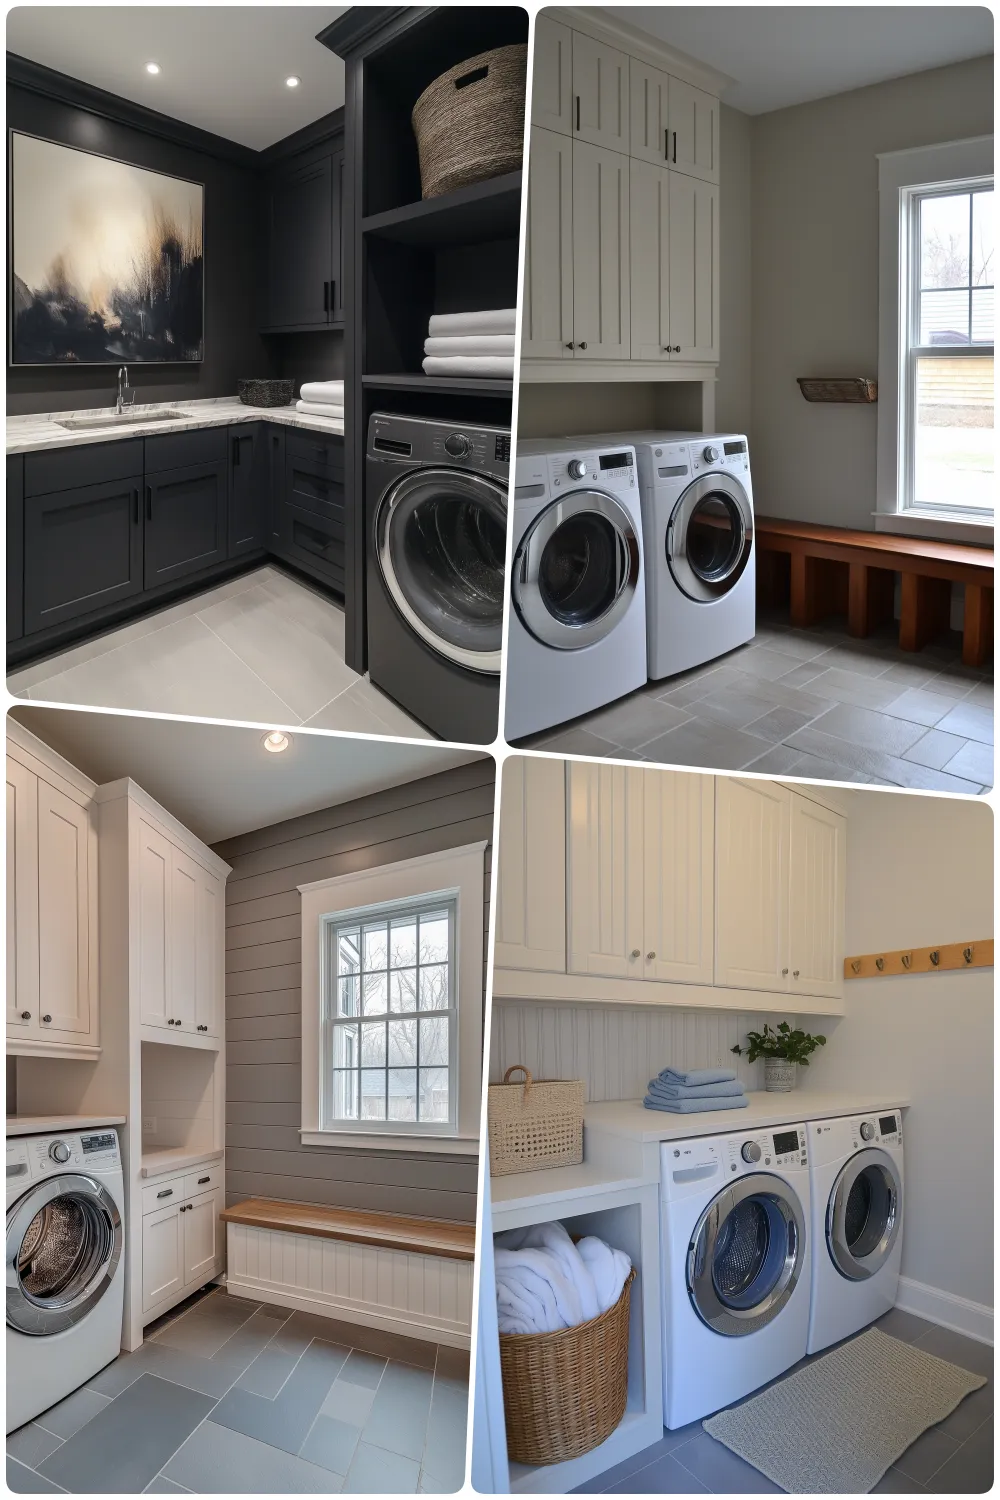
293,82
275,742
152,67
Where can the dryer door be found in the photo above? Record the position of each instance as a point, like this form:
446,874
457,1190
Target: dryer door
441,541
864,1213
64,1242
746,1254
576,570
710,537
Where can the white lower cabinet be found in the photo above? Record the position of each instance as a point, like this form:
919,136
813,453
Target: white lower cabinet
181,1247
162,1256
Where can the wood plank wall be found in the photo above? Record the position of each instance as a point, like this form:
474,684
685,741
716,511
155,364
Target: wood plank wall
264,1157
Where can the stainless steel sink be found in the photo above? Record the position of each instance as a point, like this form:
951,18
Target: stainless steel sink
112,419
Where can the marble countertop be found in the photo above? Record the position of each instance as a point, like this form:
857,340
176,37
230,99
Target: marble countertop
40,432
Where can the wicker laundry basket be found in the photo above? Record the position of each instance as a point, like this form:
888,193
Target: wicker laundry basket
534,1124
564,1393
469,123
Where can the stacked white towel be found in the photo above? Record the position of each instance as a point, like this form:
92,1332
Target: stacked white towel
322,398
545,1282
475,343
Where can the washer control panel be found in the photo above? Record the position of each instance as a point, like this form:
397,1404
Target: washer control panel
783,1147
720,453
30,1158
883,1128
608,470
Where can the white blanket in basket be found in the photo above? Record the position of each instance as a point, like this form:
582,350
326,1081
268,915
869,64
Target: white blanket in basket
545,1282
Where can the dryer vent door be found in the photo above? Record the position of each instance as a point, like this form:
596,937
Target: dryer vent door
710,537
863,1214
746,1255
441,541
64,1242
576,570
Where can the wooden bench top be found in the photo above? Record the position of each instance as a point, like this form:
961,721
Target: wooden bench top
878,548
388,1231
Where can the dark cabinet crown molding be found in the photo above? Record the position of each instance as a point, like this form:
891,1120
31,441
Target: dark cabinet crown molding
358,26
319,132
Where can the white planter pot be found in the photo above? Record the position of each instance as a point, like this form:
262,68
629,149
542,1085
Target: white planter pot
779,1076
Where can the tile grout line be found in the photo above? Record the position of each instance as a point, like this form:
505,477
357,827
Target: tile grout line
296,719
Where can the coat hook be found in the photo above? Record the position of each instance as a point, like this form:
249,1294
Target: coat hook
935,957
907,959
856,965
967,953
880,964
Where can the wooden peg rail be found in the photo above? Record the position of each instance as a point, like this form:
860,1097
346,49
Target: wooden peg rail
977,955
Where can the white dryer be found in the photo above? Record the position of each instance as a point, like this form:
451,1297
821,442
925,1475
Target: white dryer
734,1216
857,1208
576,637
65,1265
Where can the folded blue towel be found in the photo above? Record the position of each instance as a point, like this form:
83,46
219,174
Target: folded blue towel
696,1076
695,1106
662,1090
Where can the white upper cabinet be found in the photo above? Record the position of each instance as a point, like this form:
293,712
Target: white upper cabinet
817,880
751,874
547,304
600,253
649,119
600,94
153,926
22,899
693,269
67,997
678,822
531,867
693,124
604,871
552,76
649,216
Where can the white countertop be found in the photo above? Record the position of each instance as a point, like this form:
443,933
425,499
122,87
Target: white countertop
40,432
46,1124
628,1117
158,1160
551,1184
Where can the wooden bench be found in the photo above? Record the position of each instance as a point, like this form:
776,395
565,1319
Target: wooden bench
385,1231
836,571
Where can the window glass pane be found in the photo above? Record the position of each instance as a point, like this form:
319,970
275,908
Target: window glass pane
402,1093
944,317
434,987
944,241
403,950
345,1046
402,1043
375,945
373,1045
434,1040
953,432
434,938
403,989
345,1096
982,315
434,1094
373,1093
347,995
348,950
375,994
983,269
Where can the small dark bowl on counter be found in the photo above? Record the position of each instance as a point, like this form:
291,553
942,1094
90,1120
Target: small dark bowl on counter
265,392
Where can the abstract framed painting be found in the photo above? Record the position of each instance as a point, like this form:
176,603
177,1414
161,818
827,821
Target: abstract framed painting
106,260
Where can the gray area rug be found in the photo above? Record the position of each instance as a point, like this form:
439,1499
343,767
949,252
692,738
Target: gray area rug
835,1426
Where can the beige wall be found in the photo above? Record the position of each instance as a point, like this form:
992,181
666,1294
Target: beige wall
920,871
732,388
815,277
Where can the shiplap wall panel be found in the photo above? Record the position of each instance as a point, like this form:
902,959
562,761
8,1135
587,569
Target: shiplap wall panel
263,995
616,1049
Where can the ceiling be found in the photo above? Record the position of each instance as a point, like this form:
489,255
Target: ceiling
218,779
782,55
222,68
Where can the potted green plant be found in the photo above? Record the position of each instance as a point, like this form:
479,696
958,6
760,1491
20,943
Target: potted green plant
782,1050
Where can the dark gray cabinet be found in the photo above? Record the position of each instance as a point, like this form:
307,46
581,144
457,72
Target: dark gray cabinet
82,550
15,546
186,521
275,486
303,283
249,473
310,529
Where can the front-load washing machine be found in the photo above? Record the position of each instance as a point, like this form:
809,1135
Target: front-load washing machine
734,1215
576,637
65,1265
857,1211
436,502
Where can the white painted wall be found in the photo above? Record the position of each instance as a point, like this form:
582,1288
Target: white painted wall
920,871
734,381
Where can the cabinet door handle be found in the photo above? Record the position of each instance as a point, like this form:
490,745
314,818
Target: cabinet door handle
167,1193
135,499
634,954
795,973
236,452
149,502
48,1019
666,146
203,1179
326,296
581,346
578,112
570,346
675,148
784,972
26,1015
650,957
332,298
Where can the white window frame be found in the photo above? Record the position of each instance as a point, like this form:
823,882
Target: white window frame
905,176
450,875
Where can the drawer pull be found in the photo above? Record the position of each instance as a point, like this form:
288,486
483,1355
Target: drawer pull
203,1179
166,1193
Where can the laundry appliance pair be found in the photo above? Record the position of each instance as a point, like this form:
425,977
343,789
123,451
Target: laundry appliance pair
775,1243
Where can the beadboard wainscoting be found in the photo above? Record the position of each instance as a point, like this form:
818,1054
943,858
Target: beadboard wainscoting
616,1049
264,1155
421,1296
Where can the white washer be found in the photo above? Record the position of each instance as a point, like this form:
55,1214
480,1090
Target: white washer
857,1222
577,633
734,1218
65,1265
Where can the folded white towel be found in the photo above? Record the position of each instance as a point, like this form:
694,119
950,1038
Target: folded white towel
324,391
609,1268
545,1282
474,344
447,325
499,366
321,409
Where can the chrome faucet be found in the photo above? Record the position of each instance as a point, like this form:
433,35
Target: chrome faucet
121,403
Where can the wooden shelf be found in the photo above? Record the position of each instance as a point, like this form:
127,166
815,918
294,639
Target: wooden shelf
450,384
390,1231
489,210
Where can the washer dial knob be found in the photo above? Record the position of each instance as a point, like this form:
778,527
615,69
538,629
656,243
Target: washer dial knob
867,1130
59,1151
456,444
577,468
751,1151
711,454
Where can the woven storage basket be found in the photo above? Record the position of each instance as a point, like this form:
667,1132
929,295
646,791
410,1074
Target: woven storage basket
564,1393
534,1125
469,123
265,392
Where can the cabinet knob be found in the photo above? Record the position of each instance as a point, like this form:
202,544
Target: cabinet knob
26,1015
634,954
650,957
46,1019
784,971
570,346
677,348
582,346
795,973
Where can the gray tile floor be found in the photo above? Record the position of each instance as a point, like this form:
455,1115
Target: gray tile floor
955,1457
264,647
229,1396
812,703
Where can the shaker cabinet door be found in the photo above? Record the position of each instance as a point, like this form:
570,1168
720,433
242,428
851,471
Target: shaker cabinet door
649,215
600,94
531,867
751,884
155,854
694,131
604,871
817,883
552,76
693,258
162,1255
66,994
22,900
679,876
547,304
600,253
649,126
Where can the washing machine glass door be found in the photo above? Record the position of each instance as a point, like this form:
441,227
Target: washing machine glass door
64,1242
576,570
709,537
746,1255
863,1214
441,541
